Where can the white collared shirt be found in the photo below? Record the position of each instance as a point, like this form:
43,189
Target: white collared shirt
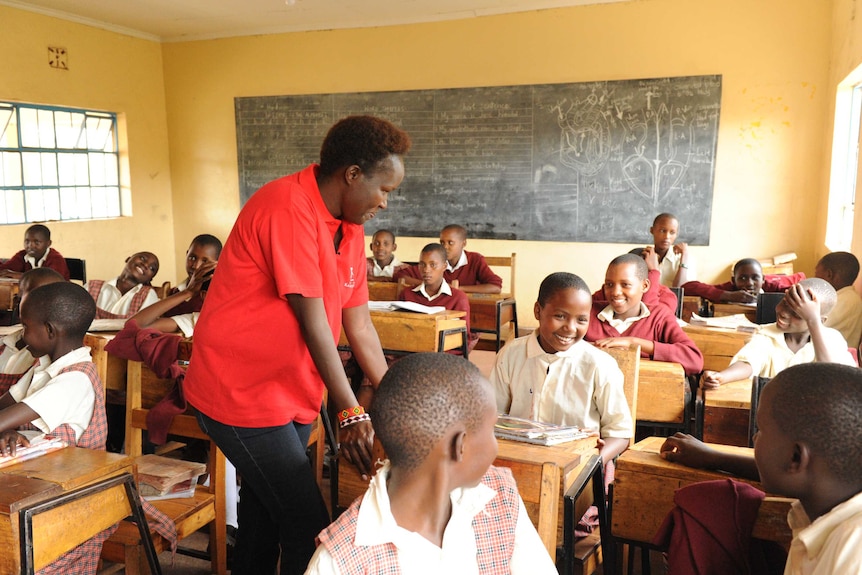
669,265
621,325
32,261
767,352
828,546
386,271
444,289
113,301
462,261
58,398
375,525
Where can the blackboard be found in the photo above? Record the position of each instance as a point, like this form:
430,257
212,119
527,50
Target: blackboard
578,162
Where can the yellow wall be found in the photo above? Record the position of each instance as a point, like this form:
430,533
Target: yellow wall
773,55
107,71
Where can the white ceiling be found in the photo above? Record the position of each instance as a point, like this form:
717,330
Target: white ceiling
182,20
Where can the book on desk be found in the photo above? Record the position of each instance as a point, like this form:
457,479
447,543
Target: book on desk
40,444
537,432
738,322
404,306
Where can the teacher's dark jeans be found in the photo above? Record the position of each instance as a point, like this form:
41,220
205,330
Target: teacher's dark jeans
280,505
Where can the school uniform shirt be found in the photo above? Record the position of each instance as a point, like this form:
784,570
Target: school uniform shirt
581,386
661,327
258,372
670,265
657,294
58,398
376,526
828,546
9,349
771,284
447,296
373,269
186,322
113,301
846,316
471,269
21,262
767,352
195,304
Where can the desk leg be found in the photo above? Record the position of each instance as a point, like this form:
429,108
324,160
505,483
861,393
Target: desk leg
549,507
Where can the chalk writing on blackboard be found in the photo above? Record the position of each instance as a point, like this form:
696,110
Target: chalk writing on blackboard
586,162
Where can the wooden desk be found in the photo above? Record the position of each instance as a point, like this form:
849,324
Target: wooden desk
543,474
644,485
8,291
718,345
405,331
661,392
112,369
490,312
382,291
27,486
725,413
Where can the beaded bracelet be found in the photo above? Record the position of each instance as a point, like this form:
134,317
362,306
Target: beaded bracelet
347,413
353,419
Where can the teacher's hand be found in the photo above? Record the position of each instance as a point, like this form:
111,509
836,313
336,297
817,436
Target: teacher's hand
355,445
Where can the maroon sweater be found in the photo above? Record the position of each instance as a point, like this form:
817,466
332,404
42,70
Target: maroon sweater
657,294
771,283
474,273
660,326
54,260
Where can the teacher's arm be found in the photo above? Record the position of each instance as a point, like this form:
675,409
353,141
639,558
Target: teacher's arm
356,439
365,344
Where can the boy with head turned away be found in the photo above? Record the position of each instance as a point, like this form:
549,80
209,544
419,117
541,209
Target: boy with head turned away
62,394
125,295
797,336
437,505
808,446
436,291
15,357
202,255
384,263
469,268
553,375
745,284
840,270
37,253
626,321
675,261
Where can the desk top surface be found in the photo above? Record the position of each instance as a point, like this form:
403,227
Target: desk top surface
56,472
564,455
734,395
694,330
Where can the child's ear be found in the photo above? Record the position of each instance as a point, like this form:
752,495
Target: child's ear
394,247
51,330
537,309
646,284
371,246
801,459
457,444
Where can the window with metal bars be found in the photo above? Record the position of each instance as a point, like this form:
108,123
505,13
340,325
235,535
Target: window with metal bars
57,164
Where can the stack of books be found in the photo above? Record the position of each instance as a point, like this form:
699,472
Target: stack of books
40,444
537,432
167,478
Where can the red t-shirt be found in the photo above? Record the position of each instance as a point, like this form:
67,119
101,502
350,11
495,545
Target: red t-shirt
251,367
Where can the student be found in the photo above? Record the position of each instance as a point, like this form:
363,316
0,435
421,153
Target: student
434,290
469,268
657,294
204,249
746,282
840,269
553,375
61,395
437,505
807,447
37,253
677,265
384,263
15,357
125,295
797,336
159,316
627,321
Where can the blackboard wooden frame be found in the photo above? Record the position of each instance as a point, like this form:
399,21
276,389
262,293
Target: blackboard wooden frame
577,162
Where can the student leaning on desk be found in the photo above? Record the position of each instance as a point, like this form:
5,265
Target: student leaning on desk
37,253
797,336
295,264
808,446
745,284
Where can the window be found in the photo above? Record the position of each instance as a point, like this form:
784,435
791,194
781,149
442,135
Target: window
845,164
57,164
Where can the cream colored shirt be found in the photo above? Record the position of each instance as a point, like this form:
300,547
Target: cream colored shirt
111,300
846,316
832,545
767,352
416,555
58,398
581,386
12,359
670,265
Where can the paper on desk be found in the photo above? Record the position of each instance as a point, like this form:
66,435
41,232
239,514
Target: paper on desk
107,324
404,305
738,322
40,444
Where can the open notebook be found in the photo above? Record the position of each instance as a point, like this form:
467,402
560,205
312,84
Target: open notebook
404,306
